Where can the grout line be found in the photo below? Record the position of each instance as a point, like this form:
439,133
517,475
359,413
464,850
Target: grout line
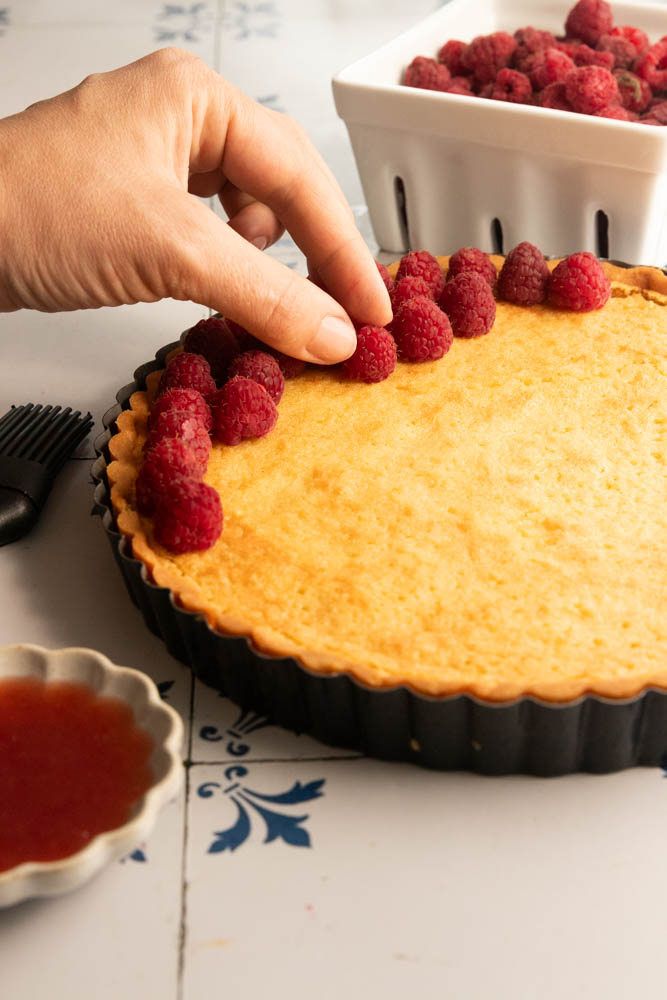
184,884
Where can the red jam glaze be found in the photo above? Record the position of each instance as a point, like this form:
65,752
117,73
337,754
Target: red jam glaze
72,765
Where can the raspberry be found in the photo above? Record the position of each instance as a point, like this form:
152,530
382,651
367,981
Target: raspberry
190,430
469,303
635,36
460,85
188,517
262,368
622,50
472,259
584,55
423,265
242,409
188,371
289,366
426,73
215,341
578,283
652,66
618,112
408,288
635,92
375,357
591,88
549,66
532,40
554,97
658,109
188,401
589,19
421,330
512,86
169,459
488,54
386,277
650,120
524,276
451,55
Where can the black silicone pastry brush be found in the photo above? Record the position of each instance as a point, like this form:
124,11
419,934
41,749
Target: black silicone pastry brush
35,442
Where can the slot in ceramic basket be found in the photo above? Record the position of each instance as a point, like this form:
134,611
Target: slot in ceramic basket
444,170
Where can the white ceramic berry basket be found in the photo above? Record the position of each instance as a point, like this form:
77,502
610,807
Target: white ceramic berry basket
443,170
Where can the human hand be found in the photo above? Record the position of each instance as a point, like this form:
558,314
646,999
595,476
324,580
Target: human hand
99,208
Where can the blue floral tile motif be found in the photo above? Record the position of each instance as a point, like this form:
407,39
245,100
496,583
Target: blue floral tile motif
252,20
138,855
4,20
236,735
177,23
279,825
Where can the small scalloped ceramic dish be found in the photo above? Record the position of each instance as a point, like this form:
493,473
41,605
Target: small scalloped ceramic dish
97,694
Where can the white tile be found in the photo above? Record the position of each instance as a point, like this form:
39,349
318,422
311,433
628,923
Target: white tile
224,732
419,883
116,936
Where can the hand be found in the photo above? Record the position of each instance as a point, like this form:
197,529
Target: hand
99,207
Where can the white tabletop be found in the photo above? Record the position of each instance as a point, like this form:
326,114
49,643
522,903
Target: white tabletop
384,879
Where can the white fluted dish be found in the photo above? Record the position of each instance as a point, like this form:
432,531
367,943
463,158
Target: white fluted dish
151,714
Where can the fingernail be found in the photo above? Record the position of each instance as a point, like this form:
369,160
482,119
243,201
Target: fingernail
334,341
260,242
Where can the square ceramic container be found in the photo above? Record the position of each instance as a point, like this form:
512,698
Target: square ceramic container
441,171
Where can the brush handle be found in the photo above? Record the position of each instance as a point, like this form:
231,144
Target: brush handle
18,514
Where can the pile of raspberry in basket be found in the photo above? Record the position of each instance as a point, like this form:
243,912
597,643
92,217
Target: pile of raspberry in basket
595,67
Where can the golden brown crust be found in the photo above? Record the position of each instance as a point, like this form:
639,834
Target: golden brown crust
170,572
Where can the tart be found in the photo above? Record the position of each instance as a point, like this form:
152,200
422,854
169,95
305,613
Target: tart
490,526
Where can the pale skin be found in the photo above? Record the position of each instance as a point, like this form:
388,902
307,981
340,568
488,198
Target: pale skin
102,205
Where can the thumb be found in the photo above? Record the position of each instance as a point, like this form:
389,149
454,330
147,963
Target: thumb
213,265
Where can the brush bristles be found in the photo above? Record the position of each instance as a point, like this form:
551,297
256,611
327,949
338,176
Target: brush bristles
43,434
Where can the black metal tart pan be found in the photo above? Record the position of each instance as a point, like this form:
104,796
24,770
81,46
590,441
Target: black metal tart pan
462,732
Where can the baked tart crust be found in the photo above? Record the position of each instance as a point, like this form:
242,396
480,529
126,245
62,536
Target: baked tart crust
493,523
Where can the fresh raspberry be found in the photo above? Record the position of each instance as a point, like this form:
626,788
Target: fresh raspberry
242,409
635,92
589,19
260,367
635,36
421,330
652,66
451,55
486,55
408,288
190,430
650,120
554,97
584,55
215,341
188,401
622,50
472,259
512,86
549,66
591,88
618,112
469,303
533,39
426,73
578,283
524,276
386,277
658,109
188,371
486,90
289,366
375,357
168,460
188,517
424,265
460,85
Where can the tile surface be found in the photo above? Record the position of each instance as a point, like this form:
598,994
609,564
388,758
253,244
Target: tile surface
286,867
